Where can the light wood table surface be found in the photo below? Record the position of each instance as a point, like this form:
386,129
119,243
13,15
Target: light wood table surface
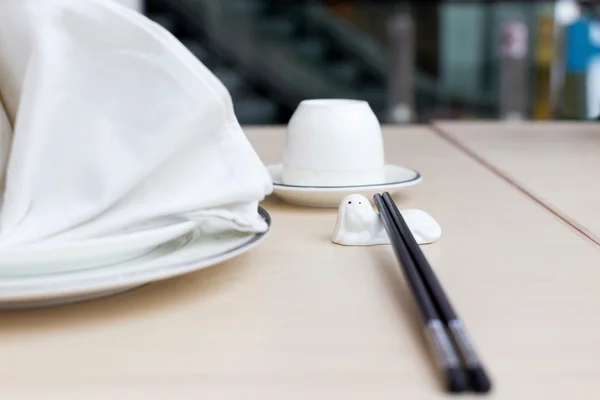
556,163
301,318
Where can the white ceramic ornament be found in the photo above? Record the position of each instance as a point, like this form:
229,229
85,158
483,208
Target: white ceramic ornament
358,224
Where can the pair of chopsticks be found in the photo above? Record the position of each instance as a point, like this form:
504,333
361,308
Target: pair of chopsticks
451,345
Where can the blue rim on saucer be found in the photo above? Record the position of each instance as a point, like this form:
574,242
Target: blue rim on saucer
395,175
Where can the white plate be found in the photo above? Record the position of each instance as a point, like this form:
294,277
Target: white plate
396,178
91,253
180,256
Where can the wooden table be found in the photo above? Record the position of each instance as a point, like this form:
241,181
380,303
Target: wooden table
301,318
557,164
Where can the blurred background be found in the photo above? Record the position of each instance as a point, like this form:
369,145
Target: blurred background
412,61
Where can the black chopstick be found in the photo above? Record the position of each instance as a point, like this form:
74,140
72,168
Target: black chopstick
441,346
478,379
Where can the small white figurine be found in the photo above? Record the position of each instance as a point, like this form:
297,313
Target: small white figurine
358,224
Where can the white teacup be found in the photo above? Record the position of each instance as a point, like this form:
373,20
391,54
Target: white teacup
333,142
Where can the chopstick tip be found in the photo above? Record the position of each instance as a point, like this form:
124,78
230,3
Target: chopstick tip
456,380
480,383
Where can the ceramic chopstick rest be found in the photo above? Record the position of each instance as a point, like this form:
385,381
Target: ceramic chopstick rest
358,224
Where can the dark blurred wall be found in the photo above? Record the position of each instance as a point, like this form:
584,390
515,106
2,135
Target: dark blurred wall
371,17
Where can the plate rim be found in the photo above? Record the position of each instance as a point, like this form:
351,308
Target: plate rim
140,277
398,184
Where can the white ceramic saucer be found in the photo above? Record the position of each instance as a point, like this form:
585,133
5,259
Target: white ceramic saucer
396,178
188,253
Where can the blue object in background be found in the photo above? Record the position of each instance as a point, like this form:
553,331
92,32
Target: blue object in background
582,45
582,63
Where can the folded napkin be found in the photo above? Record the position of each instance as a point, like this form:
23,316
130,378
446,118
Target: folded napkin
108,122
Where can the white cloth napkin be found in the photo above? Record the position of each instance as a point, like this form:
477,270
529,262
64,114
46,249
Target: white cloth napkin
108,122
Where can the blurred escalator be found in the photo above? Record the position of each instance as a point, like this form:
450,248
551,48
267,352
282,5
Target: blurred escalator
272,54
